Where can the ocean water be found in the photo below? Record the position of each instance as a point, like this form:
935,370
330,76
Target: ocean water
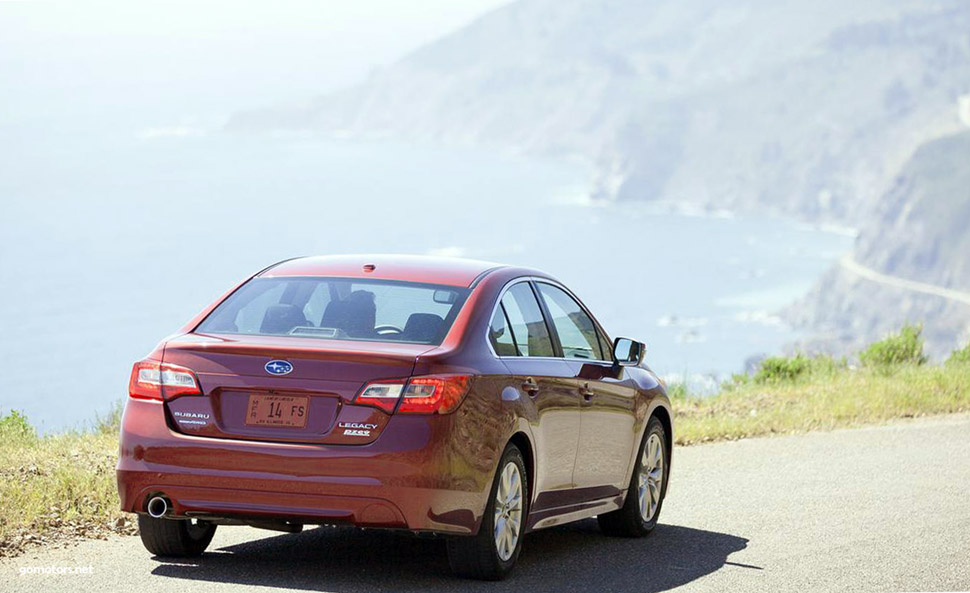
111,241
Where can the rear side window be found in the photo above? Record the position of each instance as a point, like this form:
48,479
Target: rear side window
528,327
577,334
338,308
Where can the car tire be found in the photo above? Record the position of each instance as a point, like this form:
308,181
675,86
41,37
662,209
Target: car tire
490,555
637,517
175,537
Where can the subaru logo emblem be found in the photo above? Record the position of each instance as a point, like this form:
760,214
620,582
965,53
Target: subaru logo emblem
278,367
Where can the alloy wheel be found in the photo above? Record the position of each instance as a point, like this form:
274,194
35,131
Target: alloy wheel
650,485
508,511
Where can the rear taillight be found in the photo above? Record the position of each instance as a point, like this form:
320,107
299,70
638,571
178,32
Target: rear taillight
431,394
440,394
151,379
383,394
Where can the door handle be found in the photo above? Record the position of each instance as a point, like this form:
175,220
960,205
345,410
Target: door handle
586,392
530,386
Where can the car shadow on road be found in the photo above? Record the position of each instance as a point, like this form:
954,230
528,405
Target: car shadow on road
575,557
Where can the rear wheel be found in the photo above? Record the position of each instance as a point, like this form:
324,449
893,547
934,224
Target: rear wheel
175,537
491,554
648,486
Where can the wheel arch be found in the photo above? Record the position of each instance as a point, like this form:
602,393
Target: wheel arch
663,414
524,444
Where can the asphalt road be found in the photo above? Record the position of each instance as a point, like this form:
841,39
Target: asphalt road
875,509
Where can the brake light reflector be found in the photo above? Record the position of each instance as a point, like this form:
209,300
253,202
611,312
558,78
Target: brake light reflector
436,394
383,394
151,379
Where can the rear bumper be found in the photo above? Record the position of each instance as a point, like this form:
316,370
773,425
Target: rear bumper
414,476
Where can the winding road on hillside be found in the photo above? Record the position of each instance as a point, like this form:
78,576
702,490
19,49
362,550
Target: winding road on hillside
931,289
874,509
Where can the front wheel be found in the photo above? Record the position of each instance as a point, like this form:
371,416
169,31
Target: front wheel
175,537
648,485
491,553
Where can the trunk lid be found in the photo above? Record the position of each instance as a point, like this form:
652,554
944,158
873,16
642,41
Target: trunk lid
306,397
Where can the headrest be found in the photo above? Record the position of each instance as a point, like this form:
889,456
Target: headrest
280,319
356,315
423,327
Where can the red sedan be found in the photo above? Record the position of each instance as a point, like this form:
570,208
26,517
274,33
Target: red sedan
460,398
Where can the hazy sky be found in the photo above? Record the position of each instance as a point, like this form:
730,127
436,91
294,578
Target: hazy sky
192,61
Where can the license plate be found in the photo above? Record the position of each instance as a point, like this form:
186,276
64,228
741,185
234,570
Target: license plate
277,410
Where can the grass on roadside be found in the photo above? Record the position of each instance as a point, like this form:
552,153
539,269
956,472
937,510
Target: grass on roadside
801,393
841,398
57,487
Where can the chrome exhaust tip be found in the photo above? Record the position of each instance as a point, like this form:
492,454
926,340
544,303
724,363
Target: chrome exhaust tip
158,507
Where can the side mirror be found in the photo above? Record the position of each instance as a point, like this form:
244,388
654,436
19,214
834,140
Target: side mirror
627,352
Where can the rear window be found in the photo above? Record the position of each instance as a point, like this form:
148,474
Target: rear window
338,309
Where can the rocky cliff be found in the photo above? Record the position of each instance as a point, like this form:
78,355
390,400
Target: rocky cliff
918,231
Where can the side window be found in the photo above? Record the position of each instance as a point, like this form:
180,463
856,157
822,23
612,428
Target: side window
500,335
528,327
577,334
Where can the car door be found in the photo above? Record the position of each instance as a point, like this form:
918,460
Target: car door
607,418
521,337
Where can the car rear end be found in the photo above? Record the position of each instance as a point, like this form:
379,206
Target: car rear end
282,408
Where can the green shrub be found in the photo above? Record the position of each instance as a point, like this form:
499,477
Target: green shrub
905,347
782,369
961,356
778,369
789,369
14,426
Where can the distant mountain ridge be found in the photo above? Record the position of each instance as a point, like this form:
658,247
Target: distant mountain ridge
802,108
806,108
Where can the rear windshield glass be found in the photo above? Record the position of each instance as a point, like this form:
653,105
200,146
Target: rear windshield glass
338,309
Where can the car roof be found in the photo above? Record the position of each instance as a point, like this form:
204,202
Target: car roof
451,271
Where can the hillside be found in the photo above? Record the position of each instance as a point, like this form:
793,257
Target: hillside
919,230
801,108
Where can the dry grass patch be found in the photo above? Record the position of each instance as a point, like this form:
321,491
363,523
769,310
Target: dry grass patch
835,398
57,488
